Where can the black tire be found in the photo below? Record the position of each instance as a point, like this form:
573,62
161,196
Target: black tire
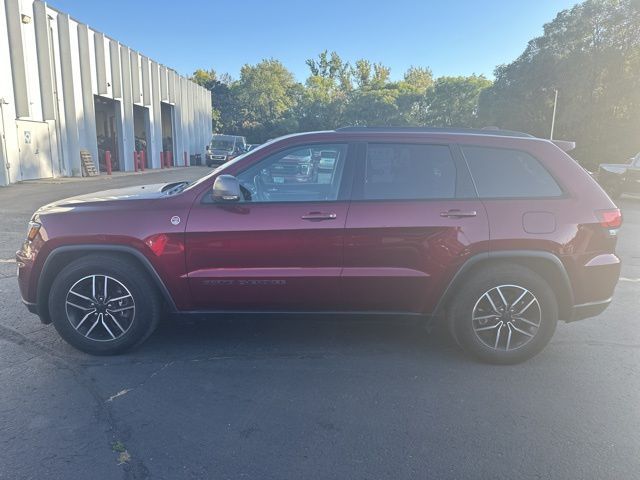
142,322
512,279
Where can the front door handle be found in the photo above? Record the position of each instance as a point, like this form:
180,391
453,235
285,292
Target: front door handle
455,213
319,216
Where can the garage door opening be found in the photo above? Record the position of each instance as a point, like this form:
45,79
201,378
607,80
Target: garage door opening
141,130
107,121
166,113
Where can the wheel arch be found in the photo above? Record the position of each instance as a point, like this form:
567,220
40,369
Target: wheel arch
62,256
545,264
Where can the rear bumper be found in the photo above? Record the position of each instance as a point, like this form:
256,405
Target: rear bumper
594,281
588,310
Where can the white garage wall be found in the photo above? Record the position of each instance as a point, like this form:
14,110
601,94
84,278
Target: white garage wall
62,65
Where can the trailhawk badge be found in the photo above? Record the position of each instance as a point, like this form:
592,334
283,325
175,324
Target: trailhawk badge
175,220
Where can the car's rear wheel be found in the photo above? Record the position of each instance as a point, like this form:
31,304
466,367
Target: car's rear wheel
103,304
504,314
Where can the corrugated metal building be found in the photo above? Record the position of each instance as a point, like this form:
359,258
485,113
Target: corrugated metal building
65,87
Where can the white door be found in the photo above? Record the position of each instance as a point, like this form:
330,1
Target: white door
35,150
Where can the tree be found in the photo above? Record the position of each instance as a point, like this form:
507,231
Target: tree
224,105
418,78
205,78
265,91
325,93
591,55
267,94
453,101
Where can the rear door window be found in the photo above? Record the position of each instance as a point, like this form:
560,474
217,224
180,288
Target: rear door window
500,173
408,172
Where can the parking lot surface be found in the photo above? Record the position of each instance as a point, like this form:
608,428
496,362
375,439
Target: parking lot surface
307,399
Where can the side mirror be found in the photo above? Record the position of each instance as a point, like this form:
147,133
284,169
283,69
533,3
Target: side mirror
226,188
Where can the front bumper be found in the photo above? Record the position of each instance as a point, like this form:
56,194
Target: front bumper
32,307
216,160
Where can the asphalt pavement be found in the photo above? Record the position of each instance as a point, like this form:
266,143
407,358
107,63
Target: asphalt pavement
307,399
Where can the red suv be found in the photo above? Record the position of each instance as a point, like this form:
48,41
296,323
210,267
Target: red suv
497,233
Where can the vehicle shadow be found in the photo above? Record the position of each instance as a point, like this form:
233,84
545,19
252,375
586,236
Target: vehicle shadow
294,337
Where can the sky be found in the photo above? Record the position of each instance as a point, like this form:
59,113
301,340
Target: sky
451,37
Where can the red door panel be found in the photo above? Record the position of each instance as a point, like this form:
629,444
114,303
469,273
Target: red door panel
400,255
266,256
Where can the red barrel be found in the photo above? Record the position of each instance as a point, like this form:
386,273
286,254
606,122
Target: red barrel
107,161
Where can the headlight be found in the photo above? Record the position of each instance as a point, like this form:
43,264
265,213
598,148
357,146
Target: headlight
34,228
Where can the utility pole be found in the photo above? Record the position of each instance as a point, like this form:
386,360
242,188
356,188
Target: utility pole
553,119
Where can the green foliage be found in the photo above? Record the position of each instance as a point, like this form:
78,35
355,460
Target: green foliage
590,54
453,101
265,91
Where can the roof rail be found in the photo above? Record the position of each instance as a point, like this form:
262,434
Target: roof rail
474,131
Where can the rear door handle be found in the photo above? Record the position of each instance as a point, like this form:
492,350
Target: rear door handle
319,216
458,213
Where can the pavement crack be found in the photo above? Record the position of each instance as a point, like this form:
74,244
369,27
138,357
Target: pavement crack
119,394
115,429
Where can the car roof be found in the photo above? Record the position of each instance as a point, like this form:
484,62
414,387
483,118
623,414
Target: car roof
364,132
473,131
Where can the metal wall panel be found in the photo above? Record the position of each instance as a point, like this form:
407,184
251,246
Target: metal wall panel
72,152
172,80
88,140
163,83
157,117
128,135
116,71
16,54
43,47
178,131
101,64
57,71
135,77
146,93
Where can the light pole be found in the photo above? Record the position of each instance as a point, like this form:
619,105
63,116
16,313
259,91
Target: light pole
553,118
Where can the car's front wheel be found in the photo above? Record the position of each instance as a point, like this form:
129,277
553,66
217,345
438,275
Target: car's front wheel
504,314
103,304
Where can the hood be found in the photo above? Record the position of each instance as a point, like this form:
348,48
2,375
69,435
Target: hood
614,167
139,192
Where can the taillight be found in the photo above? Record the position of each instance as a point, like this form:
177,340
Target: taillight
610,219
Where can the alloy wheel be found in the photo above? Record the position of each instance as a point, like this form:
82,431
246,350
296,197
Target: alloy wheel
506,317
100,308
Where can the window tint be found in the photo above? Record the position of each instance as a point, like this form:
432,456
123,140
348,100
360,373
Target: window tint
302,174
509,173
409,172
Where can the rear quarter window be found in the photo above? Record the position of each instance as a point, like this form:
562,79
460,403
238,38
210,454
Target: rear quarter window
398,171
499,172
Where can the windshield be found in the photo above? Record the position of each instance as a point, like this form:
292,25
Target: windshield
220,144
